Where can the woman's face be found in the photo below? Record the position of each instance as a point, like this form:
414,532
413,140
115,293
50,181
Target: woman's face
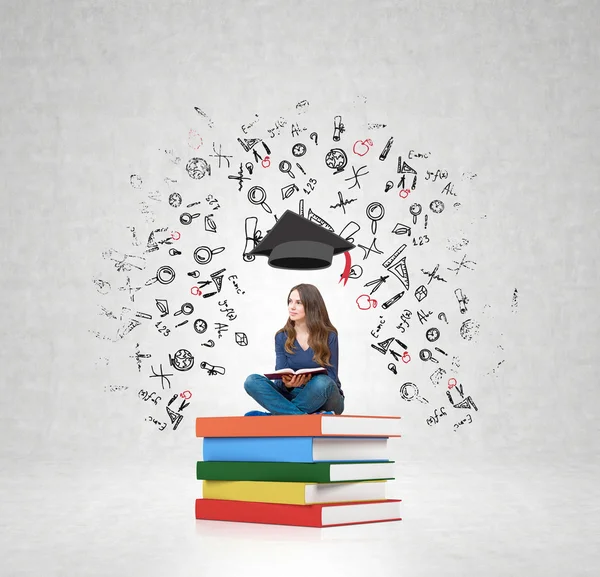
295,307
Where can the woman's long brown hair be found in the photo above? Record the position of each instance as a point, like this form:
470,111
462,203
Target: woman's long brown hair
317,322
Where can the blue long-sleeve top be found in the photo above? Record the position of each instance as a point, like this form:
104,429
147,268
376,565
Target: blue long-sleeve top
303,359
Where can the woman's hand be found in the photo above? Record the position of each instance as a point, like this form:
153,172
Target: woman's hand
292,381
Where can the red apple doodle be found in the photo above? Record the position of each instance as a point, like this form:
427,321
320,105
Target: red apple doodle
194,139
361,147
365,300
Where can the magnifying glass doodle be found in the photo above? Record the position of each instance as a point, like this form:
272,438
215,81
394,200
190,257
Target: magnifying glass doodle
371,211
186,309
410,391
186,218
285,166
257,195
415,210
203,254
425,355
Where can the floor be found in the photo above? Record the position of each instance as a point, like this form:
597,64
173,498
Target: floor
62,519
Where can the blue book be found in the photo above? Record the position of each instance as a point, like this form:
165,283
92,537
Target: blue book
295,449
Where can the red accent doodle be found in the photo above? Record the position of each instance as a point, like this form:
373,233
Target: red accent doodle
369,300
346,273
177,233
404,193
405,356
198,291
363,147
186,395
266,162
194,139
451,384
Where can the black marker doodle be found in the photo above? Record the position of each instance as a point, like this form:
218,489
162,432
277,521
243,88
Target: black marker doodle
515,301
241,339
165,275
163,376
425,355
448,189
469,329
370,248
212,369
379,325
219,155
240,178
182,323
287,191
249,167
426,220
423,316
208,295
220,327
392,367
462,264
174,252
432,334
103,286
375,126
398,269
435,418
186,309
258,196
209,223
410,391
404,168
388,185
115,388
338,128
415,209
386,149
201,113
210,343
377,282
356,175
182,360
442,317
441,351
350,229
336,159
404,318
437,376
135,181
301,169
285,166
401,229
131,290
375,212
342,202
203,254
462,301
383,346
298,150
316,218
436,206
432,275
186,218
197,168
125,262
253,237
496,368
163,306
420,293
393,300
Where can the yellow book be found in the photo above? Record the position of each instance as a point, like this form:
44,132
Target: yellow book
293,493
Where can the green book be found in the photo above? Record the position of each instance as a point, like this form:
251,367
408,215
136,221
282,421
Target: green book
322,472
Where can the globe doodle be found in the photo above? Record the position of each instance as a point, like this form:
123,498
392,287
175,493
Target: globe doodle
336,158
197,168
182,360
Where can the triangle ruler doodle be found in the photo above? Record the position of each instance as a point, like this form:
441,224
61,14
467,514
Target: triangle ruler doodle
218,279
175,417
404,168
466,404
383,346
248,143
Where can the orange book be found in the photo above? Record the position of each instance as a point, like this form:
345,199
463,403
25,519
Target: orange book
298,426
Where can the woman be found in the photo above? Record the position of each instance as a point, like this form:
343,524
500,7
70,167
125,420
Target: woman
308,340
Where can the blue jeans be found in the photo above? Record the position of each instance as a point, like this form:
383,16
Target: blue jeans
321,393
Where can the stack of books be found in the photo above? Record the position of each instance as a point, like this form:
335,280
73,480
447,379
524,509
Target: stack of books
303,470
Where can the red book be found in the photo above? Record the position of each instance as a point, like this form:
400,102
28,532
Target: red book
320,515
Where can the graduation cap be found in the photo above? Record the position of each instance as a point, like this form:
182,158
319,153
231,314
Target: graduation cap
298,243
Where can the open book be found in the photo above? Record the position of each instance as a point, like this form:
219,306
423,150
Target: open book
287,371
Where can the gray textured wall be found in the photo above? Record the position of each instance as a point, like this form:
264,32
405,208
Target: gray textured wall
95,92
